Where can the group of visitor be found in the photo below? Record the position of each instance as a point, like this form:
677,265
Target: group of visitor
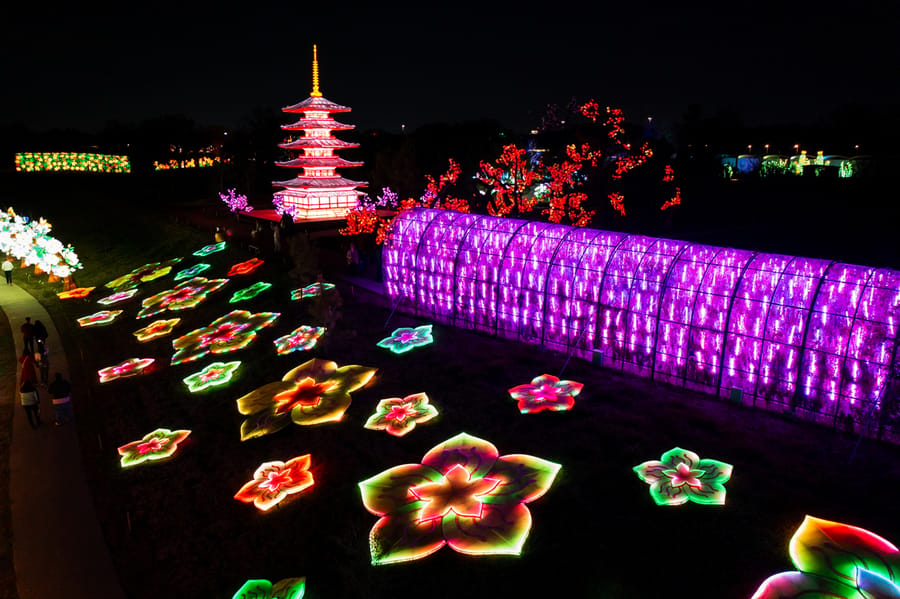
35,359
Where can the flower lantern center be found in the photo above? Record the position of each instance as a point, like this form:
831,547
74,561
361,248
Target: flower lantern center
154,444
306,392
683,475
406,337
457,492
275,480
399,413
546,392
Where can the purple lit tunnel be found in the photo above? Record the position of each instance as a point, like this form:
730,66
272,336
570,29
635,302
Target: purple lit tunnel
809,336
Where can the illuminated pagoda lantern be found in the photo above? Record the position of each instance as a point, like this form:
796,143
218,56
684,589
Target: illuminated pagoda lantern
318,192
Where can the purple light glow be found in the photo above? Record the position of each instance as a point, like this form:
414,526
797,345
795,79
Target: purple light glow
792,334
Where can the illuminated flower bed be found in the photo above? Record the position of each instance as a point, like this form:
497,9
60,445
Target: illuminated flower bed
116,298
98,318
682,476
130,367
312,290
289,588
462,494
161,444
183,297
316,392
249,292
813,337
405,339
275,481
838,561
143,274
399,416
303,338
546,392
234,331
31,162
214,375
156,329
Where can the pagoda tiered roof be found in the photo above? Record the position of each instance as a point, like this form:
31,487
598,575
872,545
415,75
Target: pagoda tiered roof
316,103
318,143
304,124
318,161
319,182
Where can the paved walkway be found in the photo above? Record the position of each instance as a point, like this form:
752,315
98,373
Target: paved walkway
58,547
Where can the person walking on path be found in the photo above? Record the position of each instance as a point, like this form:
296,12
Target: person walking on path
7,270
42,358
31,402
40,335
61,395
28,372
28,335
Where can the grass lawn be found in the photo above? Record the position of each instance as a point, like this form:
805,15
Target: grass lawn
174,527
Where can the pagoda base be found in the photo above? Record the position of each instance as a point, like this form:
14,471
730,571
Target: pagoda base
331,205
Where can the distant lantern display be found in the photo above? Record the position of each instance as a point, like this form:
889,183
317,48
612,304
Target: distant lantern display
319,193
811,337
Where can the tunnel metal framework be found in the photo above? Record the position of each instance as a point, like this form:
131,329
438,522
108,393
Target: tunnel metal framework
812,337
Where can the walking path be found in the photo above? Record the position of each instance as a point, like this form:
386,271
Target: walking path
58,547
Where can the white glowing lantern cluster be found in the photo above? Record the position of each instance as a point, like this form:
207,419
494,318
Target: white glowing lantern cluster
30,240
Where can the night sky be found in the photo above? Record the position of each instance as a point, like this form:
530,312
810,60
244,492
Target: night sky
771,63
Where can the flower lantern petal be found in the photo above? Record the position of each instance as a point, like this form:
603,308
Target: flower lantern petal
475,455
388,492
289,588
264,423
402,537
260,399
315,368
330,408
256,588
523,478
793,585
501,529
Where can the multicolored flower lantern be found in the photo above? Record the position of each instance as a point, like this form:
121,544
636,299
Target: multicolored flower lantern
158,445
143,274
234,331
193,271
399,416
313,290
119,297
274,481
463,494
77,293
546,392
130,367
837,561
303,338
98,318
316,392
681,476
404,339
157,328
210,249
182,297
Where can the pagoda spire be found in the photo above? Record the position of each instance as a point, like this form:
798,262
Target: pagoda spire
315,90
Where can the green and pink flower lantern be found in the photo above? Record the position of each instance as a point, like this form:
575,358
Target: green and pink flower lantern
405,339
275,481
546,392
463,494
143,274
128,368
836,561
289,588
214,375
182,297
303,338
210,249
99,318
681,476
161,444
313,290
234,331
398,416
156,329
316,392
193,271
